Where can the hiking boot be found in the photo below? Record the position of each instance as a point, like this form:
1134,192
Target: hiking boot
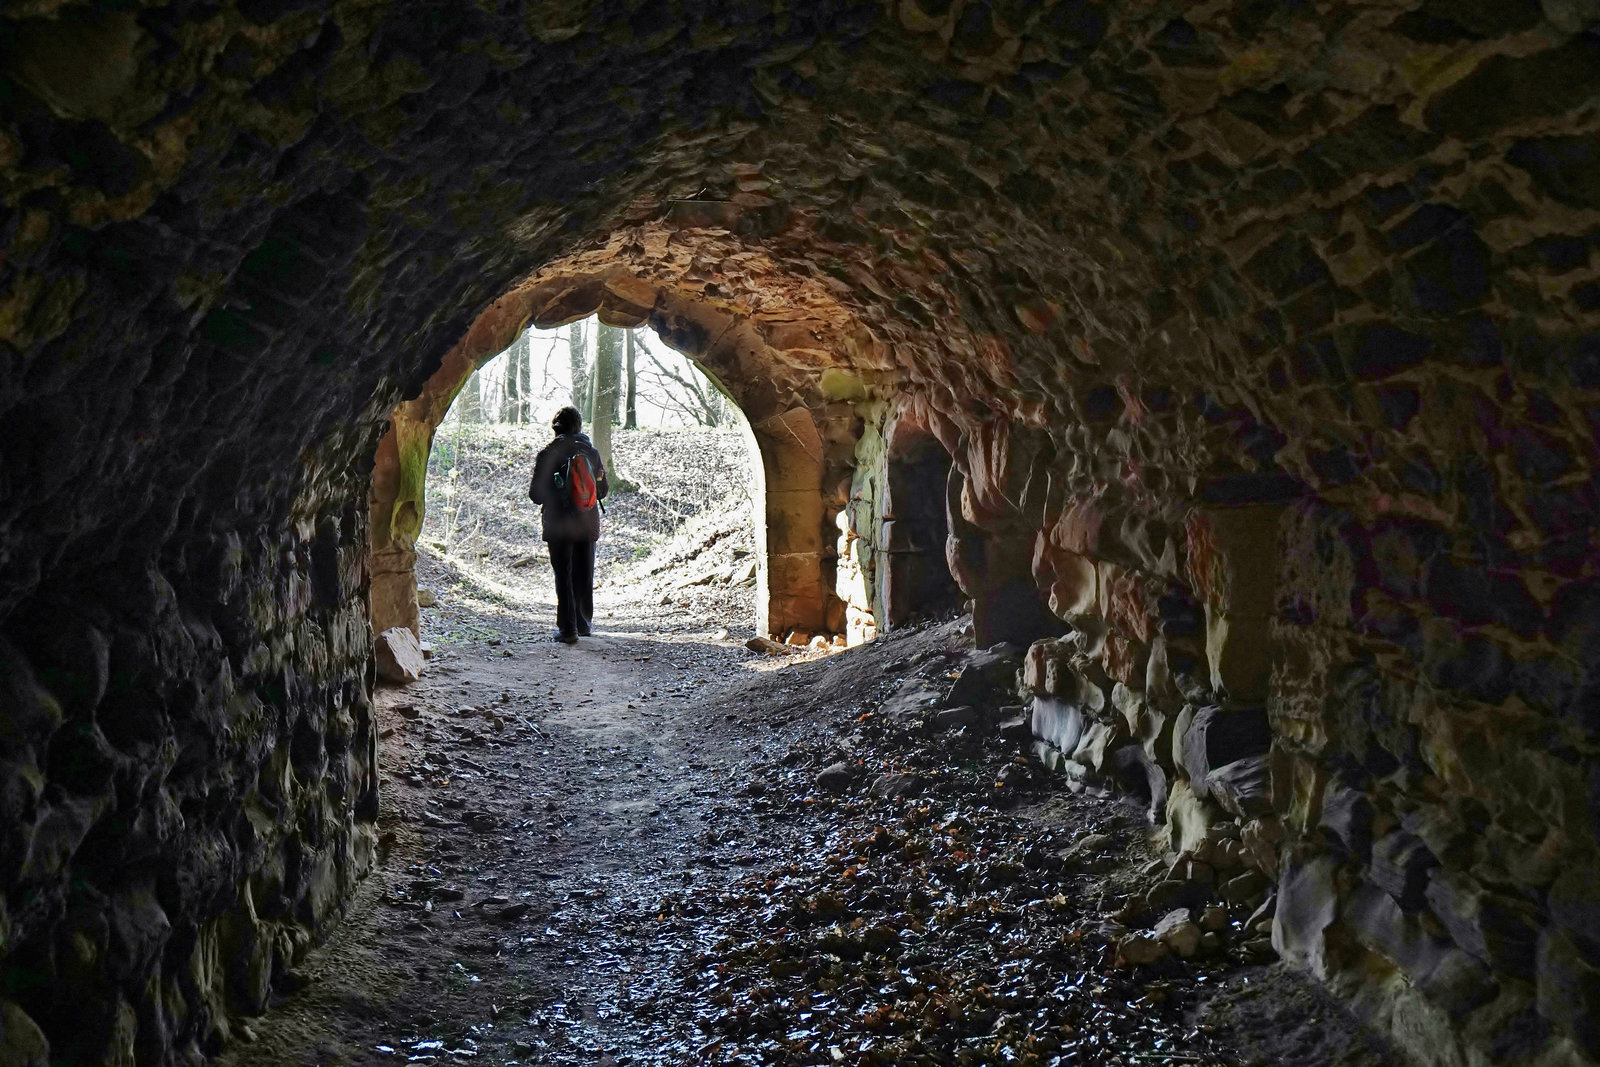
566,639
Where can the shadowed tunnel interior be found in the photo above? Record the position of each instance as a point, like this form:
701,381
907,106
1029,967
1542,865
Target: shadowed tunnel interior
1262,342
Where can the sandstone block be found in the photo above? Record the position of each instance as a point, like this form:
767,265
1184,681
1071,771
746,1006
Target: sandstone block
1215,738
1243,787
1138,949
1233,558
1120,601
1070,581
1189,816
1140,775
1130,705
914,697
897,785
1050,757
1014,723
1347,817
1123,659
1245,889
1057,723
955,718
794,521
399,656
1099,742
1239,653
1080,777
22,1043
1047,668
1308,902
1156,739
987,677
1446,973
1176,892
1001,454
1259,840
1569,989
1501,931
791,451
1078,528
1159,689
1260,920
1179,932
795,592
1400,864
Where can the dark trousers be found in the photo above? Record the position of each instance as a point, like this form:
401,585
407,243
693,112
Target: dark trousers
573,563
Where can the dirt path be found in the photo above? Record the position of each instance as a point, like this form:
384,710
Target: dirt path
521,784
659,848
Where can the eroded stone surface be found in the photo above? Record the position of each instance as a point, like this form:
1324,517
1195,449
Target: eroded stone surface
1263,341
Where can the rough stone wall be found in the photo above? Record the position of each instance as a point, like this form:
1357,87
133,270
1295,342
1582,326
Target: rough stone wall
1263,338
187,790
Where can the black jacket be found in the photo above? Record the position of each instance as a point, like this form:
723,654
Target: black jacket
562,521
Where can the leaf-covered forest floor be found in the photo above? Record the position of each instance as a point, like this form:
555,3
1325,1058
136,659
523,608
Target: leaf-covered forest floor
659,848
676,553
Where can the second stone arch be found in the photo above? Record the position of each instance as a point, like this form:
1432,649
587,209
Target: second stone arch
799,414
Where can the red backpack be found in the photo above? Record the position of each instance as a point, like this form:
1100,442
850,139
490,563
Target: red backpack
578,482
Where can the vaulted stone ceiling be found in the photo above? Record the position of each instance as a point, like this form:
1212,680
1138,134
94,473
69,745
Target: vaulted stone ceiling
1265,338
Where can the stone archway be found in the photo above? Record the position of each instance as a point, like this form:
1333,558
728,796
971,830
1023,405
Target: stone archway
914,579
803,440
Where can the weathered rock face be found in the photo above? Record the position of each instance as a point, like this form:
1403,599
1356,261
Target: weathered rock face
187,789
1263,342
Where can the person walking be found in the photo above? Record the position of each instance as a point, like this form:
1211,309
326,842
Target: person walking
568,484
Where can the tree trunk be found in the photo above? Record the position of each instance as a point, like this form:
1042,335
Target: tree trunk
631,422
607,390
471,400
581,388
511,406
527,377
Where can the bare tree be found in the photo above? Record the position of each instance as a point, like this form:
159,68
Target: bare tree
470,401
544,380
511,401
691,395
607,390
527,376
631,422
581,388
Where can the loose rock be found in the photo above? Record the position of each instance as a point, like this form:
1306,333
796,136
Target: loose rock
399,657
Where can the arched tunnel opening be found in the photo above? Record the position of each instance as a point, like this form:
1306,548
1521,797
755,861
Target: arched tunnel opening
803,438
679,549
1239,361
